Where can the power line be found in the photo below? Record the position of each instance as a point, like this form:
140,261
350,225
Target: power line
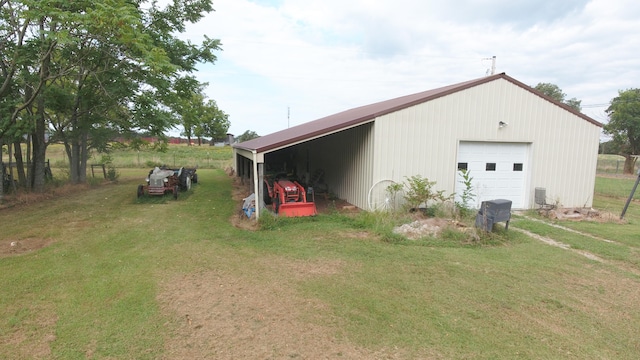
594,105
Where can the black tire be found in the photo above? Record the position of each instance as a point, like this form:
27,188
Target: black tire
140,191
176,190
195,179
183,180
265,194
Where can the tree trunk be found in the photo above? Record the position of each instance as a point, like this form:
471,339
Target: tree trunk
629,164
17,155
39,144
84,156
39,149
74,162
1,172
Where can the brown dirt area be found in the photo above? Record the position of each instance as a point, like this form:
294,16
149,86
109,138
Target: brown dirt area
580,214
10,247
217,315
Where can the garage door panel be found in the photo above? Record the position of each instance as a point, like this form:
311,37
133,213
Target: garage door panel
495,175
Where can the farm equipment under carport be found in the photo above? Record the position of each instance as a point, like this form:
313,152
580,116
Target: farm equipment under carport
288,197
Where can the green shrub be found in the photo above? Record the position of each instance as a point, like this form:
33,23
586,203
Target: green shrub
420,192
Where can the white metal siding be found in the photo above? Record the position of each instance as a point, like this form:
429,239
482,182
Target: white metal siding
423,140
346,157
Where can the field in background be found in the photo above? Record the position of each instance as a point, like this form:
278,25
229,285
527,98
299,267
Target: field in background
612,164
205,156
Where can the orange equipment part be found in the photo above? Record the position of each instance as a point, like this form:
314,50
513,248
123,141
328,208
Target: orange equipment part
291,199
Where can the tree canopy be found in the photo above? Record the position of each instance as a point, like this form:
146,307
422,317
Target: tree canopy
553,91
86,71
624,126
247,135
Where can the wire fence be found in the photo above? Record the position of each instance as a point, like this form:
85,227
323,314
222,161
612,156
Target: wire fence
613,164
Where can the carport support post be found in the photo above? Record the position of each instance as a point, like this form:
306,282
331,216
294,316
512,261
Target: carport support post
635,186
259,189
256,183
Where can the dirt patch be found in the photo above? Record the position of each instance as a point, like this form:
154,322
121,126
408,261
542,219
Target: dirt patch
580,214
40,325
11,247
426,227
217,315
27,198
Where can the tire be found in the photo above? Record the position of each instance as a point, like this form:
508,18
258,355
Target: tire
188,180
182,178
195,179
176,190
276,204
140,191
265,194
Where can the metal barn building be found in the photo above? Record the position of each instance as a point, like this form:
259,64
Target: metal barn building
511,138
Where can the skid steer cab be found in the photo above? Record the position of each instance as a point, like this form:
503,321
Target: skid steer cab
288,197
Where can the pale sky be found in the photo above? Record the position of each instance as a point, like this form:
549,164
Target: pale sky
287,62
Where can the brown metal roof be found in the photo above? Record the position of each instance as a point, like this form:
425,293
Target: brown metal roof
363,114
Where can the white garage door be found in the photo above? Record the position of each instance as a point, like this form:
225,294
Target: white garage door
499,171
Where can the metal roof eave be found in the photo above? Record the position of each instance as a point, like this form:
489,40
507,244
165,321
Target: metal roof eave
247,152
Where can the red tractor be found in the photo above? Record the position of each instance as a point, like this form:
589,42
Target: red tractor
288,197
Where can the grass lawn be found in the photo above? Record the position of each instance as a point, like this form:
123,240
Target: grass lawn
118,277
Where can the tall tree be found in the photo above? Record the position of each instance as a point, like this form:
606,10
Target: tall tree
214,122
89,69
553,91
624,126
202,118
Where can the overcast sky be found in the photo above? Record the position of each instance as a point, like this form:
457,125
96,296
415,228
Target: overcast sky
287,62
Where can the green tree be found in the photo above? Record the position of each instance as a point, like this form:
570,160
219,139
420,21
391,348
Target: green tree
92,69
247,135
624,126
199,116
214,122
554,92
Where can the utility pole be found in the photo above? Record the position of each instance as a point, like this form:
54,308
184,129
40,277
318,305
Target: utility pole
635,186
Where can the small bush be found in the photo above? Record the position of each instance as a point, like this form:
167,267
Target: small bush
420,193
112,173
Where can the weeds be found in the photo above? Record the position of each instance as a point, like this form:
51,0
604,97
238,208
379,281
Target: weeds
467,196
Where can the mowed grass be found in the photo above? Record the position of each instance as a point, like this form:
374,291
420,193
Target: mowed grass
92,293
